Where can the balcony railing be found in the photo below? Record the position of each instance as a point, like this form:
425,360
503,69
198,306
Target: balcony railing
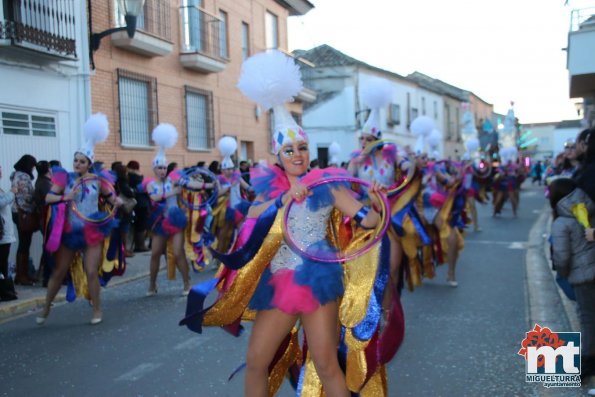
155,18
41,25
200,32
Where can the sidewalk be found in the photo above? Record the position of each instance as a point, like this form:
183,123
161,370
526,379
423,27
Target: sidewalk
33,297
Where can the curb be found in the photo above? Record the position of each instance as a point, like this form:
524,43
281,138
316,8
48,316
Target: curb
22,306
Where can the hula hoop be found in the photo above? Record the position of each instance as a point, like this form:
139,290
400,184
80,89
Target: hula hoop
102,182
380,228
404,180
211,200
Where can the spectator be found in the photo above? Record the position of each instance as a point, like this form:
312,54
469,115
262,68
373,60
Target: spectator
537,171
7,237
55,163
141,210
214,167
171,166
245,170
314,164
43,184
123,190
584,176
24,214
574,258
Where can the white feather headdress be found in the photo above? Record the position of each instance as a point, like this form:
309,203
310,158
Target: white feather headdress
227,147
376,94
270,79
165,136
96,130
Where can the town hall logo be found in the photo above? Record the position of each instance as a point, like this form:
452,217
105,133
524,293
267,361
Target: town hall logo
552,358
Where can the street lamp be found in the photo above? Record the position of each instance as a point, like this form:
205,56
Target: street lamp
579,107
131,9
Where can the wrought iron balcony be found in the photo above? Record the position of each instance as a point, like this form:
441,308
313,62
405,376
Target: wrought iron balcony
40,25
201,40
153,34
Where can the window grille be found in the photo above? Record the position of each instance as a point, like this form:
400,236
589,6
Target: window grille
138,107
28,124
199,118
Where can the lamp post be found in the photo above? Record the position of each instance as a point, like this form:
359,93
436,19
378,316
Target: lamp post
130,9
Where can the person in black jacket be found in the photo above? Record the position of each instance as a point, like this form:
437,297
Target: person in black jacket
141,210
585,174
123,189
43,184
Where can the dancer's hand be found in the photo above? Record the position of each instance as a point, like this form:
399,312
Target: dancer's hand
376,187
298,192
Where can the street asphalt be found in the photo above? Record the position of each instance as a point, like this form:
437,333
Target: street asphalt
459,341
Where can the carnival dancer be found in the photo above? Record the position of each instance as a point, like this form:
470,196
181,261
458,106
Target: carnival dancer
282,286
167,220
78,224
231,207
506,181
380,162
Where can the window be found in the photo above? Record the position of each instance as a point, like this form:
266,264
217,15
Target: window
436,110
394,114
28,124
223,47
138,107
414,113
272,30
245,41
408,109
423,106
199,118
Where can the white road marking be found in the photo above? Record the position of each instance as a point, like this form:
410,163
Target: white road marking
138,372
514,245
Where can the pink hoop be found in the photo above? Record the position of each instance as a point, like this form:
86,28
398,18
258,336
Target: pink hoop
382,227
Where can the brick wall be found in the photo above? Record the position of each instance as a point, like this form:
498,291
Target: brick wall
233,113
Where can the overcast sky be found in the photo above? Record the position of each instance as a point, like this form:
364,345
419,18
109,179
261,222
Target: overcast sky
501,50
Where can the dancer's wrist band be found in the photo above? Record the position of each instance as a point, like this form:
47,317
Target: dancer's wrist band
361,214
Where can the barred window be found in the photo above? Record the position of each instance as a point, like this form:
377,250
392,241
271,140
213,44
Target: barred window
138,107
199,118
26,124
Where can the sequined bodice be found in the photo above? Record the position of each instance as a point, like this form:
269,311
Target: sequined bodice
161,189
86,197
378,170
307,228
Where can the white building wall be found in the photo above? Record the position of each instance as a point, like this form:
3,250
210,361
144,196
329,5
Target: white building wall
34,85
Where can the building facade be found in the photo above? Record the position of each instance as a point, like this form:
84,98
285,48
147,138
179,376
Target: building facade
338,114
182,67
581,62
44,75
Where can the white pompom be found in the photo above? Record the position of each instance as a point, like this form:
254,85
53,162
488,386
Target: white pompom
434,139
422,126
227,146
334,149
165,135
376,94
270,78
96,128
472,144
